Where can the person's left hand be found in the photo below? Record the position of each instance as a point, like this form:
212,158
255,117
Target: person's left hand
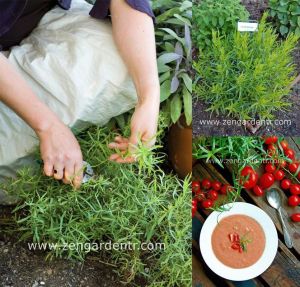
143,127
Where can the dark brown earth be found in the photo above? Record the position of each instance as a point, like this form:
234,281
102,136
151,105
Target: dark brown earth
20,267
256,8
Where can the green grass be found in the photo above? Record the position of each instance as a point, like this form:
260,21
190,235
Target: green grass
124,203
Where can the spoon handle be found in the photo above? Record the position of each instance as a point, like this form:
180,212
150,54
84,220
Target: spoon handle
287,238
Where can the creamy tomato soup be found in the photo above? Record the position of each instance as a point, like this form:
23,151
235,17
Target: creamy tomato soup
238,241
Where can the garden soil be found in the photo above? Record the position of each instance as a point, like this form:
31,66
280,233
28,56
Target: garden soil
201,125
20,267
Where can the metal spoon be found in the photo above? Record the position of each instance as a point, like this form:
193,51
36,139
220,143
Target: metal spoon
274,200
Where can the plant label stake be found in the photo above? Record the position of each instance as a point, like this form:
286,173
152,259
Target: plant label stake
251,26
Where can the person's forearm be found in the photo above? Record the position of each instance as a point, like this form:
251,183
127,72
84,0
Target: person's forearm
134,35
17,95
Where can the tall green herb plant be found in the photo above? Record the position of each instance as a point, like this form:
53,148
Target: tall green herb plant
247,75
124,203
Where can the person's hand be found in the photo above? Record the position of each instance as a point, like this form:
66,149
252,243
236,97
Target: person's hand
143,127
61,154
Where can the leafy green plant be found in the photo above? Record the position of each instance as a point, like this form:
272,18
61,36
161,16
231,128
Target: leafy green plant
247,75
241,151
211,15
173,37
123,203
286,14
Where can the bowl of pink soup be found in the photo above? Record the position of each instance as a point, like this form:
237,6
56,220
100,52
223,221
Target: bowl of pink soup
238,244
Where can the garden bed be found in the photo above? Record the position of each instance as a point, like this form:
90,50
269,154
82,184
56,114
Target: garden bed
20,267
137,203
209,123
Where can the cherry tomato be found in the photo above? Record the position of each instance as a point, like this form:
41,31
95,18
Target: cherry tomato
298,176
271,140
195,186
266,180
226,188
293,167
270,168
290,153
207,203
216,185
194,209
200,196
279,174
194,202
258,191
284,144
249,177
286,183
295,217
272,149
206,184
294,200
212,194
295,189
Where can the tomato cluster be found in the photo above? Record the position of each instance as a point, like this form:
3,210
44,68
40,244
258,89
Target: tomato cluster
275,170
281,168
206,192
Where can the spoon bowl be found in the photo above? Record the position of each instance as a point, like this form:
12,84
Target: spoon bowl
274,199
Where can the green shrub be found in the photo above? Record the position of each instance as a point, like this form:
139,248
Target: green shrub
173,38
286,14
125,203
247,74
211,15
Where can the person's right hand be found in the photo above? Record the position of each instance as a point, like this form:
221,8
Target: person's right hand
61,154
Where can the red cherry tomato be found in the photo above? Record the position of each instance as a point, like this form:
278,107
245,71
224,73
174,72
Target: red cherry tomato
216,185
194,209
286,183
294,200
293,167
270,168
298,176
249,177
226,188
284,144
258,191
207,203
295,189
272,150
266,180
290,153
295,217
200,196
195,186
279,174
206,184
271,140
194,202
212,194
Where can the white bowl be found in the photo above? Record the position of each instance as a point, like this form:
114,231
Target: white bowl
257,268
